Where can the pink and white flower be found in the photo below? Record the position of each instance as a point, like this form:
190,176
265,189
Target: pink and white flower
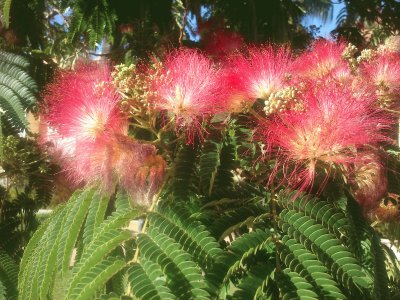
263,72
328,134
88,134
83,103
185,88
324,59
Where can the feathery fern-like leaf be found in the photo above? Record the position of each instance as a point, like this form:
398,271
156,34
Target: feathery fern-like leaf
96,213
228,163
185,278
17,91
258,282
176,222
294,286
48,266
342,264
74,221
13,110
296,257
51,264
8,276
246,214
246,246
209,163
183,185
96,278
35,239
93,20
3,291
148,281
107,237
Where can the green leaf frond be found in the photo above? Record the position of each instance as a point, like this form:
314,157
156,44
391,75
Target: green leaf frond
76,244
93,20
17,92
8,276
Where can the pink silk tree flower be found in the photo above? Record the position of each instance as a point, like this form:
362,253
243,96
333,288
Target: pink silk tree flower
185,88
325,58
233,90
56,146
88,135
142,174
325,136
370,180
83,103
60,150
81,161
262,72
384,73
119,160
94,165
81,113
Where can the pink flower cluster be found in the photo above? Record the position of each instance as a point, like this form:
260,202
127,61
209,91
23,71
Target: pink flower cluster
320,115
89,138
321,109
335,122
